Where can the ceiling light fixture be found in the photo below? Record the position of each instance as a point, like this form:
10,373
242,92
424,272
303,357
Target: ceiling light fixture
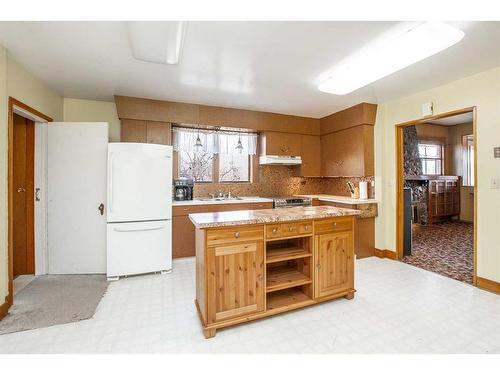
157,41
391,55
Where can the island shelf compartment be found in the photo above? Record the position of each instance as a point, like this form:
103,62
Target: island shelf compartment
288,249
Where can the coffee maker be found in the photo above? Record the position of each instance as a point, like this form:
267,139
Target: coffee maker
183,189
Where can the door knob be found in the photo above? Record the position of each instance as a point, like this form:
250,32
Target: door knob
101,208
21,190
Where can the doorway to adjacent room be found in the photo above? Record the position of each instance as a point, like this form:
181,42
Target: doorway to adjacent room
437,194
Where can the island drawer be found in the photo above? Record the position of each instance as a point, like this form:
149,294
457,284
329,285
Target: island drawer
332,225
273,231
291,229
235,234
296,228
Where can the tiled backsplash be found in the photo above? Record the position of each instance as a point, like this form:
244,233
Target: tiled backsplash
279,181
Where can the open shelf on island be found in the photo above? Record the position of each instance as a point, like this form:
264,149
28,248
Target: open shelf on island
287,299
287,249
286,253
285,276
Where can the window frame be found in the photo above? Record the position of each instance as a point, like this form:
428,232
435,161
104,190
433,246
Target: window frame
216,168
468,160
440,159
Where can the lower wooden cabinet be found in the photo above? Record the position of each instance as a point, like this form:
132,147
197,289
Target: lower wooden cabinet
235,280
334,263
253,271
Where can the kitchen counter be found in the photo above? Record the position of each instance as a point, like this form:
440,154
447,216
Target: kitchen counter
274,215
338,199
198,202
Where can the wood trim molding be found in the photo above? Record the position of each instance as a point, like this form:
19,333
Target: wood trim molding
486,284
10,189
400,178
385,254
4,307
14,102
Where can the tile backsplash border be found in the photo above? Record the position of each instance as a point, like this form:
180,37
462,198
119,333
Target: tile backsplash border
279,181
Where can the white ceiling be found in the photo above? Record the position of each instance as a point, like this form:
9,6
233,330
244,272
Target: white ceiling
269,66
452,120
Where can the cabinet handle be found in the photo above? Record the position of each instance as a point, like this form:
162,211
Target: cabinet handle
260,277
334,224
290,229
318,266
306,227
275,230
236,234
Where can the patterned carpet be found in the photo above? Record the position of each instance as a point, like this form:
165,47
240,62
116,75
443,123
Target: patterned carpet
446,248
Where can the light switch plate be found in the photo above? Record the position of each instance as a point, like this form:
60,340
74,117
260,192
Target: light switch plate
496,152
495,183
427,109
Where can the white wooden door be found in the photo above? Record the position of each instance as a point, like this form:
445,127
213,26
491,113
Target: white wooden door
76,187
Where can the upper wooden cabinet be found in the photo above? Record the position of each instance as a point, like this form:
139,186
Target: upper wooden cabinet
282,144
146,131
311,156
348,152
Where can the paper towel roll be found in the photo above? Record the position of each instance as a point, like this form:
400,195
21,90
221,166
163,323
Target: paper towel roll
363,190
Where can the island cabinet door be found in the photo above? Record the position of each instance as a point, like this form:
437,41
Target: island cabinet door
334,271
235,280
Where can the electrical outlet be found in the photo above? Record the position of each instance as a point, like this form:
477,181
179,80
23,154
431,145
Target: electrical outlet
495,183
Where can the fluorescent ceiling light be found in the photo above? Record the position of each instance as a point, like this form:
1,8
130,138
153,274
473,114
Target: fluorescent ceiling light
157,42
391,55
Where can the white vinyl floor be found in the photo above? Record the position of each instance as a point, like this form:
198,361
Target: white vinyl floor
397,309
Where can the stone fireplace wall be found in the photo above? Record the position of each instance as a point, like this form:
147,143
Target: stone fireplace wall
412,167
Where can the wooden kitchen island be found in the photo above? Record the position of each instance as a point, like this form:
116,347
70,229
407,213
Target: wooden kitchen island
256,263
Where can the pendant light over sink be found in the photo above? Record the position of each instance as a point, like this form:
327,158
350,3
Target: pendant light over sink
239,145
198,146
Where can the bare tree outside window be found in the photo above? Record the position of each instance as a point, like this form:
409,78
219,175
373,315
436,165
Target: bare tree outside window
196,165
234,167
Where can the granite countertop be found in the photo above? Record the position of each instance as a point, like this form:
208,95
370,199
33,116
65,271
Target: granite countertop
273,215
339,199
197,202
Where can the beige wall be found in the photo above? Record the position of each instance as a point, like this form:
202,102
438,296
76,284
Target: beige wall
3,176
25,87
93,110
17,82
457,168
480,90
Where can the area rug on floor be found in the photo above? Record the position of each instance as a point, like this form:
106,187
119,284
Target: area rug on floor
54,299
446,248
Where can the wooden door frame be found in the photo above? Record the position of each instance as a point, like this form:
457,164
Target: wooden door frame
12,105
400,178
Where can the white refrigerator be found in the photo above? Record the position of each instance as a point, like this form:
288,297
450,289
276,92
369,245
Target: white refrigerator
139,209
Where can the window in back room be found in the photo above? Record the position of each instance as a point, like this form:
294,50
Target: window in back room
431,158
468,159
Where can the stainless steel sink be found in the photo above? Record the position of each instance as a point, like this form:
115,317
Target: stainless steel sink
218,199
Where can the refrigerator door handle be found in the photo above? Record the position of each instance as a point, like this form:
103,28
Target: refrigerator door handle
110,187
138,229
